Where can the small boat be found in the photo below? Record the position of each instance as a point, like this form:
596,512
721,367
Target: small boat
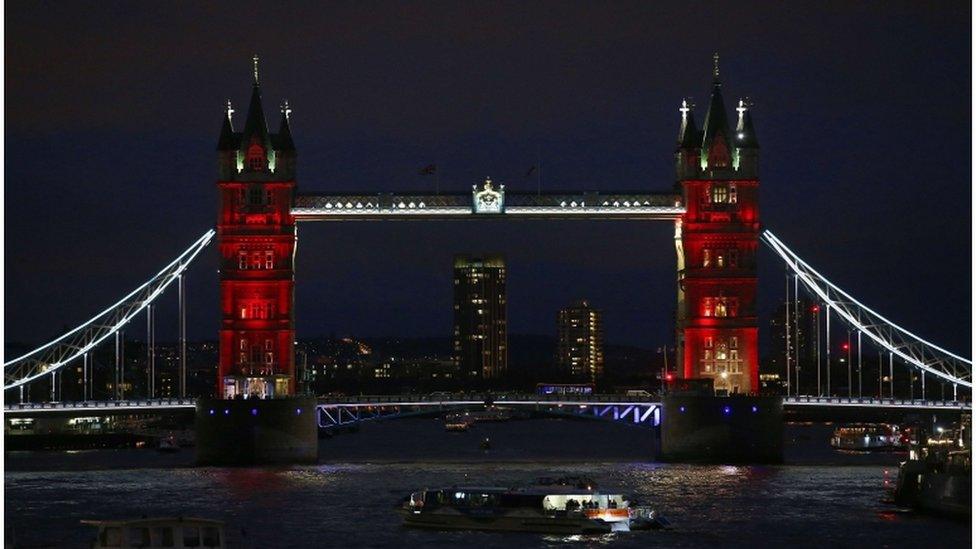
457,423
168,445
563,510
152,533
864,437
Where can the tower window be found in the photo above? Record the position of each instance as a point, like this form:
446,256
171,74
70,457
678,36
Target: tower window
720,194
269,259
255,157
734,342
242,259
733,195
706,258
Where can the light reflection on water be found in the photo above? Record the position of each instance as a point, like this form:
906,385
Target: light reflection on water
351,503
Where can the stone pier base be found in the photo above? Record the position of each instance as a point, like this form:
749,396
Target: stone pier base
256,432
708,429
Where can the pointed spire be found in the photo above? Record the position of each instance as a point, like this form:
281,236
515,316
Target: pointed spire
284,140
715,66
227,140
716,123
688,133
745,133
255,125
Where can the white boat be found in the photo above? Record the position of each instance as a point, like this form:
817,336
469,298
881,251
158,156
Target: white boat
866,437
152,533
565,510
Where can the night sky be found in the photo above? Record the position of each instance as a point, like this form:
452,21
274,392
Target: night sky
863,113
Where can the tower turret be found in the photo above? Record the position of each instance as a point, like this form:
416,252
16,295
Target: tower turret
747,145
716,152
689,142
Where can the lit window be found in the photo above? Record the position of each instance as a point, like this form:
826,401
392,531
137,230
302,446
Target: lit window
242,259
734,354
269,358
733,196
720,194
268,345
708,342
706,257
734,342
720,308
269,259
720,261
707,306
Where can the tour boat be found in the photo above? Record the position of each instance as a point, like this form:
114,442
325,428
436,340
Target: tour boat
564,510
152,533
457,422
866,437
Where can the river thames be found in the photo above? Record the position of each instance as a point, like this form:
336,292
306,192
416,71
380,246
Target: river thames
819,497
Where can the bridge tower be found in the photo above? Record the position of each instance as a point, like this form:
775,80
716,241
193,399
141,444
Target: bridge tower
256,237
717,241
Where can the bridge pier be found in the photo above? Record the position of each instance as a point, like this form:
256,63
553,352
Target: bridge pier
256,431
709,429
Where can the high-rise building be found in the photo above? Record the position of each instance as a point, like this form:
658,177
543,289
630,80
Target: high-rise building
804,314
580,349
480,320
717,239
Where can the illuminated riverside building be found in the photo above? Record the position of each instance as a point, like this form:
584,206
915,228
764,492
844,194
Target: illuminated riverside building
580,347
256,237
480,321
717,239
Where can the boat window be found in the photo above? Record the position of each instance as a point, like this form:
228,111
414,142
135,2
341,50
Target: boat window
211,536
163,536
191,536
138,537
110,537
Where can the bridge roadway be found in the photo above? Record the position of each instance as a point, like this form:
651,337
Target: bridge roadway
608,406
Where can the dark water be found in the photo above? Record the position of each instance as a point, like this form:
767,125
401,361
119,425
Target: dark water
819,499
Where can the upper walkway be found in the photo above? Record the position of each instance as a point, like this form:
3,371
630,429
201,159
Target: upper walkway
487,203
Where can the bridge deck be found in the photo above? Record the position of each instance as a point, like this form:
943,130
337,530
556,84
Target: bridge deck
569,205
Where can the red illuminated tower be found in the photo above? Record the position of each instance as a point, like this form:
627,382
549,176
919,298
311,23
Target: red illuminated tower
717,241
256,237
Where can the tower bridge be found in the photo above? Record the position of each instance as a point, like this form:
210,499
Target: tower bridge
713,206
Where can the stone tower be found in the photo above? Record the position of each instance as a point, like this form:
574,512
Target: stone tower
256,238
717,241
